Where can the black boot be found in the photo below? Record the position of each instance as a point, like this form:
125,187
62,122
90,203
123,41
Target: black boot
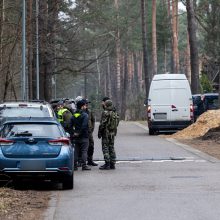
91,162
79,164
106,166
85,167
112,166
75,167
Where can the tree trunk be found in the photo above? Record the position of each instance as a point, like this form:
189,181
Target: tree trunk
2,8
194,58
125,85
108,77
118,66
188,69
30,48
171,69
154,37
136,78
144,43
165,58
175,35
43,14
53,7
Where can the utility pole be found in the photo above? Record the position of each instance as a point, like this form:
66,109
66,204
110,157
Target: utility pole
37,52
24,95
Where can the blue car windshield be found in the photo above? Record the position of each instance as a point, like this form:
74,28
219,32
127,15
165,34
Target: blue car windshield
34,130
24,112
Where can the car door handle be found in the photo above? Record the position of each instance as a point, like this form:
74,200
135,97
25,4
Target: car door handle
174,110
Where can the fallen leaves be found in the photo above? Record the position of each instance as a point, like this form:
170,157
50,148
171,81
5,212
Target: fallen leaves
28,204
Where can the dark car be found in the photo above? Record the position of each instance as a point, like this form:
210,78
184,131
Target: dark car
36,148
197,105
204,102
210,101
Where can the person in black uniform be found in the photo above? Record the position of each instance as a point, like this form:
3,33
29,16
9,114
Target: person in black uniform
80,134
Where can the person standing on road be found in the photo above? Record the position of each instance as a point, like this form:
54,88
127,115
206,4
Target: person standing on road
107,131
80,136
64,116
91,140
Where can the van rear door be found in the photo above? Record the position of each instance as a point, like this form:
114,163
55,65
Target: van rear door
180,107
160,104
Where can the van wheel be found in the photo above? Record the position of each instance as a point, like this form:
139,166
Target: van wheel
151,131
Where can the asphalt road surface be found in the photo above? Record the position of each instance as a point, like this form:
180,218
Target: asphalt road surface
155,179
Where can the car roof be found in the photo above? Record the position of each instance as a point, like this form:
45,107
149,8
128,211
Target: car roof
194,95
28,104
210,94
45,120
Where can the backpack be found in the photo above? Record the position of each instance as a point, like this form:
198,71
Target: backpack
113,121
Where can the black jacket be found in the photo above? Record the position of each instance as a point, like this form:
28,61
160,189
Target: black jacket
79,124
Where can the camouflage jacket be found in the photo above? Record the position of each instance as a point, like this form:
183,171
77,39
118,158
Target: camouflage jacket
103,130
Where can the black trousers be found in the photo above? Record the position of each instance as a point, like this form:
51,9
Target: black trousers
91,147
81,150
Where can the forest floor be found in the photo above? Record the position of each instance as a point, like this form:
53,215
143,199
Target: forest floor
29,204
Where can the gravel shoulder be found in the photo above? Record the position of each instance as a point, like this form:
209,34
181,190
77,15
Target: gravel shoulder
208,146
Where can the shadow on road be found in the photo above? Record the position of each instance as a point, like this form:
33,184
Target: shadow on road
38,185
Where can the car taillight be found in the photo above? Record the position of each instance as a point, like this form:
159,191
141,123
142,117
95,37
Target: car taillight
191,111
60,141
149,112
6,142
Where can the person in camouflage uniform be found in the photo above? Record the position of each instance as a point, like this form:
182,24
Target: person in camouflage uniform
107,137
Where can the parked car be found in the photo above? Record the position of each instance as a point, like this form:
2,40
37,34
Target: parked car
36,148
210,101
26,109
197,105
170,104
204,102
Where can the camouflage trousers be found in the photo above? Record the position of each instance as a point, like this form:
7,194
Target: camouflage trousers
108,149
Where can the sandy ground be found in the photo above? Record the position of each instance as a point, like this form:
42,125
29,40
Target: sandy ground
204,134
209,146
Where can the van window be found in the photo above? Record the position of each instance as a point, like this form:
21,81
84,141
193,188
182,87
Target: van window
24,112
168,96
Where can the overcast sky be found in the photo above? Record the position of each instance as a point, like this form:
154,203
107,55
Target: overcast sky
182,6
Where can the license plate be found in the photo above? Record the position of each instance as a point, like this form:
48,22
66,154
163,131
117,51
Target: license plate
160,116
32,165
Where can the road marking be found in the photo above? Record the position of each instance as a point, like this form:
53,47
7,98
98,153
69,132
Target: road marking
156,161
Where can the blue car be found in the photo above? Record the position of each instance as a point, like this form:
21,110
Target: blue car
36,148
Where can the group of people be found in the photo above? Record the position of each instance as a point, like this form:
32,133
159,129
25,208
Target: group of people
79,122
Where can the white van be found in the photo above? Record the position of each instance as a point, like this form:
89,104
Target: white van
170,105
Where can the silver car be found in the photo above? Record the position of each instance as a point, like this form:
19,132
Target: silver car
26,109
